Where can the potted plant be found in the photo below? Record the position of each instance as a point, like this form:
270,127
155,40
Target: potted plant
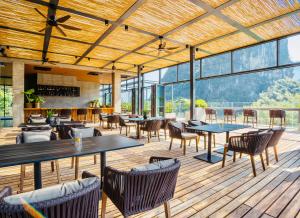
200,105
50,119
38,100
29,98
145,114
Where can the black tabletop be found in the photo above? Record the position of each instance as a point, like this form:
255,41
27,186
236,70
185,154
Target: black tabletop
218,128
17,154
141,119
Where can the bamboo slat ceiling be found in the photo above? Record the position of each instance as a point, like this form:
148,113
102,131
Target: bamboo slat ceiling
213,26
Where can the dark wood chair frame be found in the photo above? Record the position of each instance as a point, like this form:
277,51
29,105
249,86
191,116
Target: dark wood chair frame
176,131
250,113
210,115
152,126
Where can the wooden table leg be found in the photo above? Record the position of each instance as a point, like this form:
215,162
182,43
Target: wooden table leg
37,175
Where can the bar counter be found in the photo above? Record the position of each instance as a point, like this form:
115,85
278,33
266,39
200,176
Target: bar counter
43,111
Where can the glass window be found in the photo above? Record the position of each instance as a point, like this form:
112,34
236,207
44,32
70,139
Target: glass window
216,65
197,69
289,50
130,84
255,57
184,71
151,78
278,88
169,74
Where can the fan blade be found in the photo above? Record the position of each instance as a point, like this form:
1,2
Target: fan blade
60,30
37,10
43,29
63,19
172,48
153,48
69,27
165,50
163,45
158,53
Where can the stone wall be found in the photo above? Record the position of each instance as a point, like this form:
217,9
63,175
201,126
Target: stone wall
88,91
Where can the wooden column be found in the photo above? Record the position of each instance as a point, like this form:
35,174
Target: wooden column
139,95
18,71
192,82
116,92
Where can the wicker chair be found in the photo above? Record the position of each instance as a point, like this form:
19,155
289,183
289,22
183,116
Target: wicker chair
20,140
210,115
253,143
75,160
127,125
152,126
277,114
165,124
249,113
277,133
84,203
178,131
229,115
114,119
102,119
201,133
63,129
138,191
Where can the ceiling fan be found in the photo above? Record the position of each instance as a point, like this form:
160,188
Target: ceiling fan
162,47
57,23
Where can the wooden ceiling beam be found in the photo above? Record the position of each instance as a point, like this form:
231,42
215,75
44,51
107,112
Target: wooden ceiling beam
51,12
235,32
121,19
217,12
227,4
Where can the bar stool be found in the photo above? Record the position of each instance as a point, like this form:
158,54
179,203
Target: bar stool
210,115
229,115
252,114
65,113
95,114
277,114
82,113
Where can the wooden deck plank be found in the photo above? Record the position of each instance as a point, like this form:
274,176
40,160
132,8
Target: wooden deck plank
202,189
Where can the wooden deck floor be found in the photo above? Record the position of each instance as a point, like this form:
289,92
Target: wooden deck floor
203,190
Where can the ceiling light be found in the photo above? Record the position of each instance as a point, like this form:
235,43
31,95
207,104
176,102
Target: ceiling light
106,22
197,49
126,28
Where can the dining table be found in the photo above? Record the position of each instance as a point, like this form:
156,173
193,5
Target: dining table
211,129
38,152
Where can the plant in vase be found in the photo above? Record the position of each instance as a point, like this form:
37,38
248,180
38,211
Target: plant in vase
145,114
50,118
29,98
38,100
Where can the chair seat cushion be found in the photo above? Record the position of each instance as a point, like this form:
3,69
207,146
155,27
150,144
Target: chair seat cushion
49,193
130,124
187,135
36,136
85,131
35,115
155,166
37,120
64,119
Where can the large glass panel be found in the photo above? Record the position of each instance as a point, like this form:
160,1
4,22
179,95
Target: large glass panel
6,96
184,71
177,100
147,99
197,69
255,57
169,74
263,90
131,83
289,50
151,78
126,101
216,65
